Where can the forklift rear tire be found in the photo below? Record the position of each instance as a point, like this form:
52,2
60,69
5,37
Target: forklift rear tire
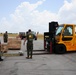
60,49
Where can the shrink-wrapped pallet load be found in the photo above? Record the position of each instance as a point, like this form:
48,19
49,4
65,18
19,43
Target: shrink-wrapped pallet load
4,47
14,43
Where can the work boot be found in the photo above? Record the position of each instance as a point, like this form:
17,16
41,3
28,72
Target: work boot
1,59
30,57
27,57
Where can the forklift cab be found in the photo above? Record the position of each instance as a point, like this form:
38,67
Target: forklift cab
65,38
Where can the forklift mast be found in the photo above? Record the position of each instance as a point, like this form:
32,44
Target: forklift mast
49,37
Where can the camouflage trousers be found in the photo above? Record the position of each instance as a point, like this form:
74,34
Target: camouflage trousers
5,40
29,49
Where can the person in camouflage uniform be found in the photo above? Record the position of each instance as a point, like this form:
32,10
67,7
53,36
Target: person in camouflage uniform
5,36
29,37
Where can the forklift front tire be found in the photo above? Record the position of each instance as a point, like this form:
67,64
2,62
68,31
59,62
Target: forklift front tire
60,49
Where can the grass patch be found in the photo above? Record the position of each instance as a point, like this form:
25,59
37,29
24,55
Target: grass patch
40,36
10,34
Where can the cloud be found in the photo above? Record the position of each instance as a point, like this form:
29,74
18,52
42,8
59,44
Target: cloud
27,16
4,25
67,13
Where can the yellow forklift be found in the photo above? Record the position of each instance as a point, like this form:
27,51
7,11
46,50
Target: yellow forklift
60,38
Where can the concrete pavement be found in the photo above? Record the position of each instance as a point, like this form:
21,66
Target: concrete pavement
48,64
39,65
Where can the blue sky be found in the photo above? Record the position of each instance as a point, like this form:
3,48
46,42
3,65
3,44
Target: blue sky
20,15
8,6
